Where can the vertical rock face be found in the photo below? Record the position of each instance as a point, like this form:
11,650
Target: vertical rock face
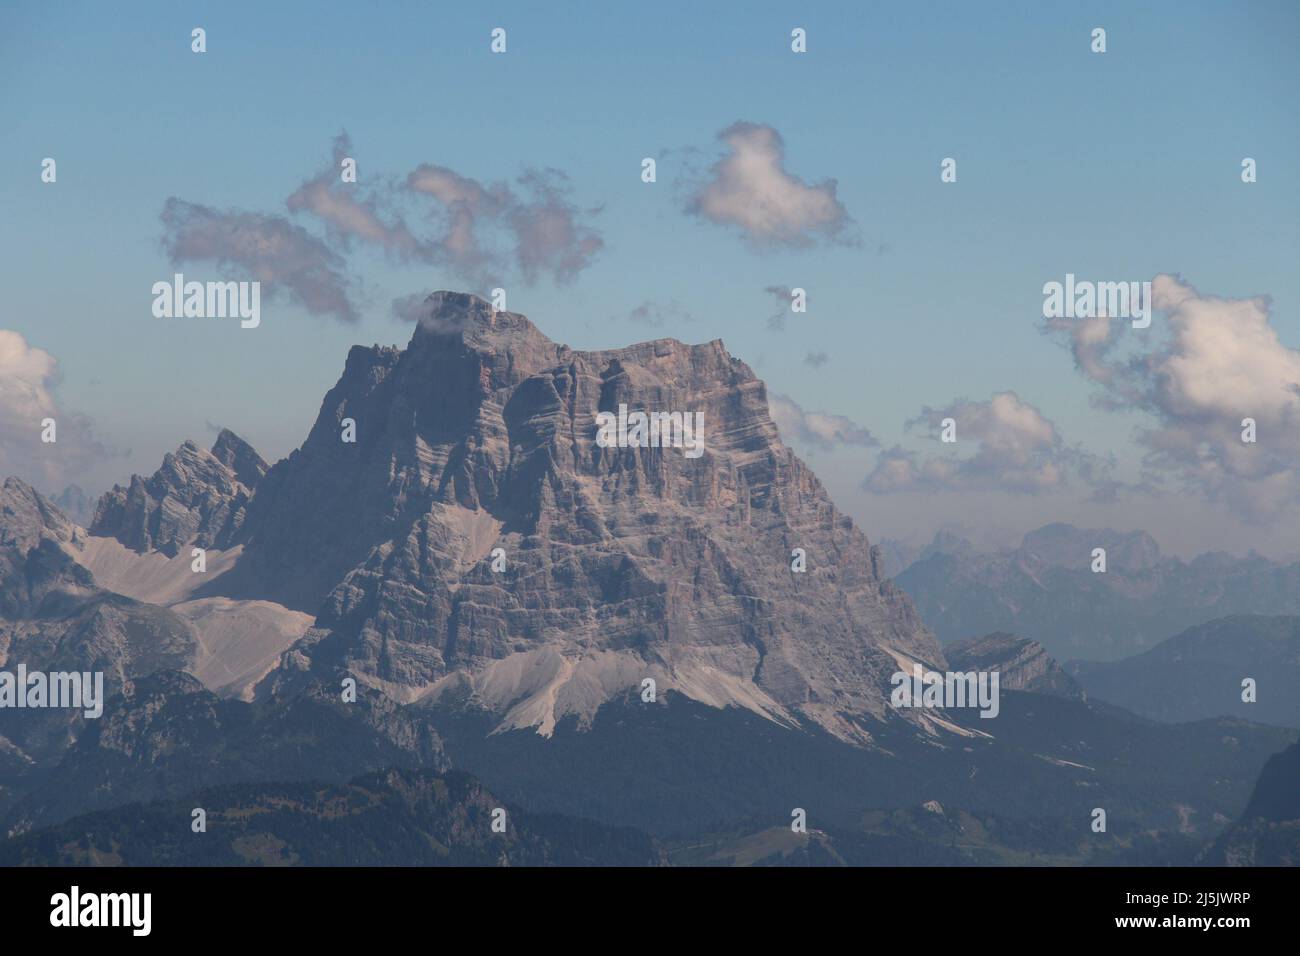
196,497
616,563
27,516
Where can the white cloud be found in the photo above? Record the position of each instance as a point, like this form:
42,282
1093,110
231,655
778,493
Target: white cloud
751,189
1012,447
1221,361
1091,341
27,377
1225,359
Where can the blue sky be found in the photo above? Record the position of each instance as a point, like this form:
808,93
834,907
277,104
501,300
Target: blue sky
1116,166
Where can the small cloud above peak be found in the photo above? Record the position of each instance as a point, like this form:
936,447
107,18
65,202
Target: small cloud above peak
750,189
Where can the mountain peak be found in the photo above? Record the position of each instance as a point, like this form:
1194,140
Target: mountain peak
195,497
240,457
445,313
26,516
1067,546
479,444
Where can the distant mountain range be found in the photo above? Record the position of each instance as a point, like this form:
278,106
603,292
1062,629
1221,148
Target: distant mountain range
1046,590
617,635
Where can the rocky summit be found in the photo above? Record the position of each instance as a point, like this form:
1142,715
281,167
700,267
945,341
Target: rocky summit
196,497
461,536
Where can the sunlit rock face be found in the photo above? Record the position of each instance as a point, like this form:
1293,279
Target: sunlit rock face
476,540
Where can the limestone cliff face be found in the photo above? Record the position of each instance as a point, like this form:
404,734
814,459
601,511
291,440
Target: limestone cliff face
620,563
196,497
1023,664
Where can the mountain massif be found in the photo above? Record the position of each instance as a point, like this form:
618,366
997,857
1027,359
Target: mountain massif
615,564
455,570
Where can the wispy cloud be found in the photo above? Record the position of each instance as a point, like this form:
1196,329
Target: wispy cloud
782,294
549,235
656,315
481,234
353,212
491,231
819,431
269,249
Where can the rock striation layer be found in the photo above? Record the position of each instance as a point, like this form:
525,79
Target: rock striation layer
1023,664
